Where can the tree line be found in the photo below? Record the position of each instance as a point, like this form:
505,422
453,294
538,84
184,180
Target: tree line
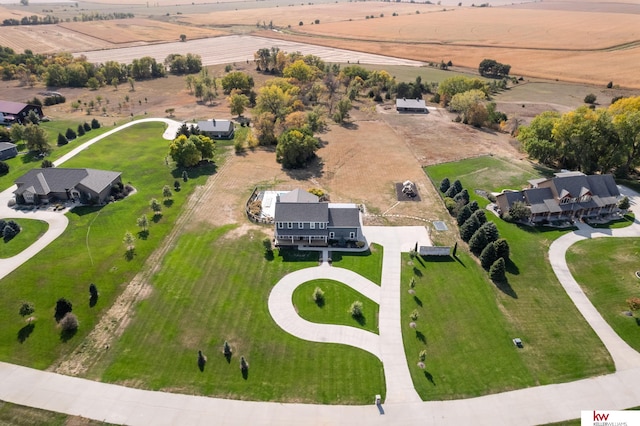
49,19
591,140
63,70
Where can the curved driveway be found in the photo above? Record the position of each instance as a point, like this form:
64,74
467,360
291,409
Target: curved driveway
536,405
57,220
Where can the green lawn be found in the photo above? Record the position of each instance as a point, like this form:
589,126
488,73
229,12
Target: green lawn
26,161
30,231
18,415
468,322
368,263
335,309
623,222
605,268
214,287
91,249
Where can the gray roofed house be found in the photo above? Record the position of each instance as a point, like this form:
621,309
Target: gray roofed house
217,129
411,105
302,220
8,150
60,184
566,197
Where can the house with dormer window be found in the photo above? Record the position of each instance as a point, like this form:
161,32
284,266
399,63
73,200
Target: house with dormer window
565,197
301,219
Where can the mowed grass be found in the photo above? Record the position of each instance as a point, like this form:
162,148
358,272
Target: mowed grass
214,287
623,222
481,318
338,297
367,263
90,250
30,231
605,269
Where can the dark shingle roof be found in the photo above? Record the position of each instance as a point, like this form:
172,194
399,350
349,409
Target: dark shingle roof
344,217
45,181
302,212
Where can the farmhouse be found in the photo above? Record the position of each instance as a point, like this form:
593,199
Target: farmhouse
216,129
565,197
8,150
411,105
16,112
301,219
53,184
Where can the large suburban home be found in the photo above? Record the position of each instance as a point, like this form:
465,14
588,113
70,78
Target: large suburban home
567,196
8,150
411,105
302,220
42,186
217,129
17,112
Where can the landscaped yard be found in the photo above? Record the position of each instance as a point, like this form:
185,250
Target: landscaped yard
334,309
605,268
91,249
468,322
30,231
18,415
368,263
214,286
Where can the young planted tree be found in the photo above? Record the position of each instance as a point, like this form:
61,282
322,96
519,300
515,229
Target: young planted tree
355,310
69,323
26,309
156,207
63,307
244,365
318,296
166,192
414,315
143,222
129,241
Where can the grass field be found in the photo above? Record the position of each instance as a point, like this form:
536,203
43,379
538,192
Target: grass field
91,249
605,268
335,307
31,230
469,322
368,264
214,286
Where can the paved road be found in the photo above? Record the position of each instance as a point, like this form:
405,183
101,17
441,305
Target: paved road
537,405
57,220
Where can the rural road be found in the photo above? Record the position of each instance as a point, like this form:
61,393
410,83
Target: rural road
535,405
237,48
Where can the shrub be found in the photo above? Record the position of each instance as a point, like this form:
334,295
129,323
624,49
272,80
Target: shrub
356,309
423,355
46,164
8,233
176,185
63,307
69,322
266,243
497,271
444,185
26,309
519,211
450,204
610,85
414,315
4,168
318,296
624,203
590,99
95,124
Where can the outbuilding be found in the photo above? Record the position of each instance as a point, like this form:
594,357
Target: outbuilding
411,105
8,150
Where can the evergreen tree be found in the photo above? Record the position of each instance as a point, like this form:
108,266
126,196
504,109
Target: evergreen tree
62,140
463,215
478,241
488,256
95,124
444,185
497,271
491,232
469,228
481,216
457,185
451,192
502,248
70,134
86,127
462,196
474,206
80,130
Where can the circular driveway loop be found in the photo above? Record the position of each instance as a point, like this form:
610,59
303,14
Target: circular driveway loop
536,405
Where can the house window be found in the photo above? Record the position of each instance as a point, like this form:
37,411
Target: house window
312,225
332,235
300,225
321,225
352,235
280,225
290,225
